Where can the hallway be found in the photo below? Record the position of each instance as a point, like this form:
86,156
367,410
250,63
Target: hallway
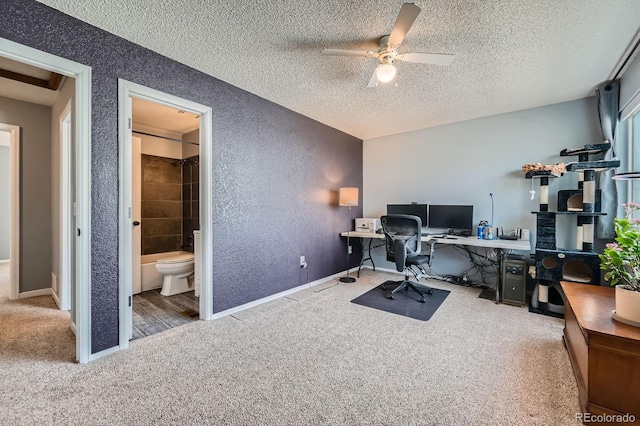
32,330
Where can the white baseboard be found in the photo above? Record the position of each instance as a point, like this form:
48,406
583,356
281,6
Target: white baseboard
35,293
55,298
393,271
72,326
106,352
277,295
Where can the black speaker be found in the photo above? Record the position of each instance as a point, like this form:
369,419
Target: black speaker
514,281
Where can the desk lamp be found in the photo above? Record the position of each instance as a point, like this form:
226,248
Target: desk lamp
348,197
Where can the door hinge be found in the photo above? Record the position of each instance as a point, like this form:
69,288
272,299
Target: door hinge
129,212
129,301
129,124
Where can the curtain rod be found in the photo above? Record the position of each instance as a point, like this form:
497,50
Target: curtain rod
165,137
624,64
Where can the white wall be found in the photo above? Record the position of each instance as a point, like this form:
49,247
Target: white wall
630,88
158,146
462,163
189,150
5,195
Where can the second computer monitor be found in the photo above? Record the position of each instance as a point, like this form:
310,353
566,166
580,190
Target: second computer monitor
458,218
419,210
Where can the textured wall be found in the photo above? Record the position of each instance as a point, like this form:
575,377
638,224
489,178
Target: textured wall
275,173
35,190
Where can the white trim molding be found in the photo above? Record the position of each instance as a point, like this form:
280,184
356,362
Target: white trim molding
82,121
65,208
14,233
126,91
35,293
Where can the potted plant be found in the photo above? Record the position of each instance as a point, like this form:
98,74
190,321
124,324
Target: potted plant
621,261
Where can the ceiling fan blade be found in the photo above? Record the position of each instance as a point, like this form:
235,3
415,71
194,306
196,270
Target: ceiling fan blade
427,58
341,52
408,14
373,81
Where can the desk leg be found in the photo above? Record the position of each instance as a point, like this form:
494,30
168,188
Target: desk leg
366,258
499,277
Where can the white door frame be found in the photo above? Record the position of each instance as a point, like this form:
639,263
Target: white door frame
65,247
14,232
127,90
82,75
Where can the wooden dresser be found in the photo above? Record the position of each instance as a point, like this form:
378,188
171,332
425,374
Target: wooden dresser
604,353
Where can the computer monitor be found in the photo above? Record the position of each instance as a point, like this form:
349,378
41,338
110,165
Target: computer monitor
419,210
451,217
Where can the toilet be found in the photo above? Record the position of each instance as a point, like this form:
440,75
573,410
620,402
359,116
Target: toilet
177,271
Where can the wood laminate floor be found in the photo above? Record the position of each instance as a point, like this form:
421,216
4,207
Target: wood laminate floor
153,313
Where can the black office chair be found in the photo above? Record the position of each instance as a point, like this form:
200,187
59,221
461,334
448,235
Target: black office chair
404,247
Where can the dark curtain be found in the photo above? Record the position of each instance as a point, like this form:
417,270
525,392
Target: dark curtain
607,97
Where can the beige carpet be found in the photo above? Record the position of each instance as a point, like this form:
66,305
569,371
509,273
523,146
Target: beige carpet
308,359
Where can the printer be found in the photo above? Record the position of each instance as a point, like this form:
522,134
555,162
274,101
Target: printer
365,224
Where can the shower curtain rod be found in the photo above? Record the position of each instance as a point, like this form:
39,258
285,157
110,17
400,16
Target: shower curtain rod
165,137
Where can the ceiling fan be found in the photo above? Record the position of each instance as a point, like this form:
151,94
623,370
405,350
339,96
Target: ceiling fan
388,52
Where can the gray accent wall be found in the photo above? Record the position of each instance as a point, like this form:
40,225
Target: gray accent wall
35,190
275,172
462,163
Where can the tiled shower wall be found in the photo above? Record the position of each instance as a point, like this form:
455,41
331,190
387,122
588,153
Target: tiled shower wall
190,200
161,204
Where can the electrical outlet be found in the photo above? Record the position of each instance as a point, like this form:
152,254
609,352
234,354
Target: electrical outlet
303,262
350,249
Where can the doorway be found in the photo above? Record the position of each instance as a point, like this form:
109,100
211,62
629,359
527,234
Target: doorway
80,261
131,149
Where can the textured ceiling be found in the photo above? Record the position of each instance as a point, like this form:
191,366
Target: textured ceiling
510,54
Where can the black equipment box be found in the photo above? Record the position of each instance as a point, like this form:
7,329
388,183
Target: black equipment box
514,281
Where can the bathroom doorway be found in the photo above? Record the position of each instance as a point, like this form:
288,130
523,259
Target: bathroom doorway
165,192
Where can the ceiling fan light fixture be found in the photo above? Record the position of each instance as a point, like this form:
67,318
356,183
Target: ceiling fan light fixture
386,72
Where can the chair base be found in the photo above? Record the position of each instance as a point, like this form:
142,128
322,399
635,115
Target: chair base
406,285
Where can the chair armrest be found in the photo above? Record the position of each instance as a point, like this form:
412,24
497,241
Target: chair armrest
400,253
432,244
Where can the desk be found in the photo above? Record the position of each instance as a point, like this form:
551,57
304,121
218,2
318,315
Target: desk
500,245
